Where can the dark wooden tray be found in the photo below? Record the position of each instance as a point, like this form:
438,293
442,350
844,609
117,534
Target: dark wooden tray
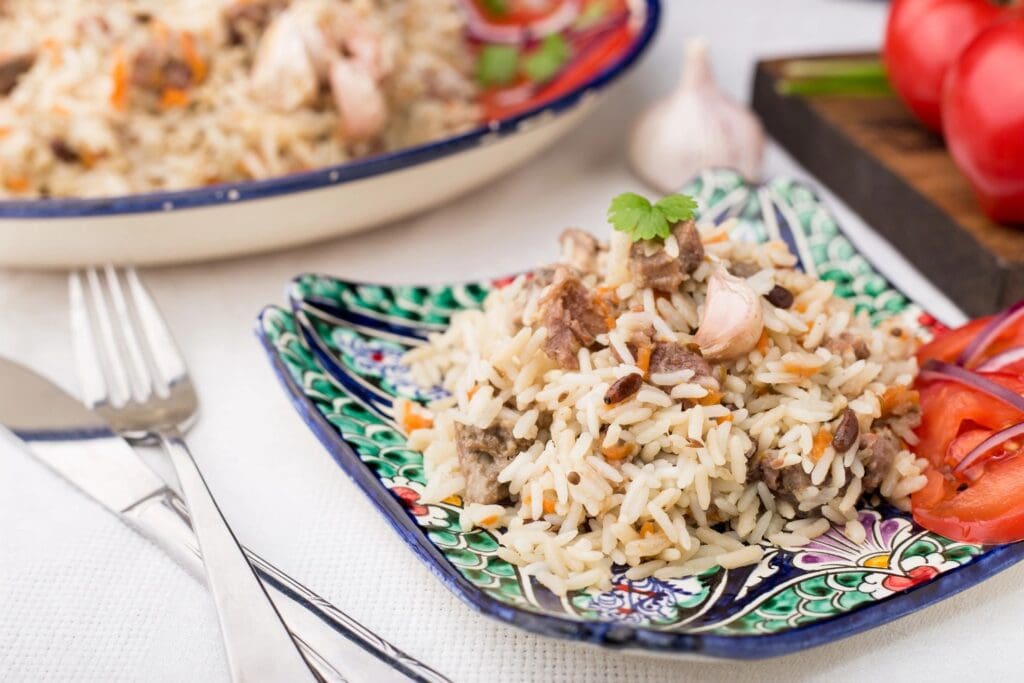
900,179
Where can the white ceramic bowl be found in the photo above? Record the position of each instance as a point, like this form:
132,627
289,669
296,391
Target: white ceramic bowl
223,220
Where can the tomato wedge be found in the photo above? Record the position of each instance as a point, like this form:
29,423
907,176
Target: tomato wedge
989,510
984,503
948,408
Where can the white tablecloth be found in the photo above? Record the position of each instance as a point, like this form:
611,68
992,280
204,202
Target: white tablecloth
84,598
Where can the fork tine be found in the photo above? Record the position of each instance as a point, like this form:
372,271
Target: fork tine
119,386
88,361
138,370
163,350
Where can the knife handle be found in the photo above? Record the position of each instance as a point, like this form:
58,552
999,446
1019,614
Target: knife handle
335,645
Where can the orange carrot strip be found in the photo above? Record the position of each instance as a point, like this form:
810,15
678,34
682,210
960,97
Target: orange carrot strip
762,343
821,441
16,183
119,75
712,399
549,506
195,61
643,359
173,97
490,520
618,451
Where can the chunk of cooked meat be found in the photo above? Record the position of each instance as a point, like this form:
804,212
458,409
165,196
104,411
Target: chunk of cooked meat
11,69
156,65
623,388
62,151
571,316
848,342
579,250
784,482
667,357
653,267
483,454
880,450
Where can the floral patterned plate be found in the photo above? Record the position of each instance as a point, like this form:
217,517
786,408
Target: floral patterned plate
338,350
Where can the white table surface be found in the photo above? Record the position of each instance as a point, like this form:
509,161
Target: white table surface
84,598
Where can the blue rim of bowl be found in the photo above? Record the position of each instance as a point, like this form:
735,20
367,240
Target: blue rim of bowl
606,634
338,173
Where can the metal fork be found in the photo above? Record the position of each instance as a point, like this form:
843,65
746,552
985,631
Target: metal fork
133,375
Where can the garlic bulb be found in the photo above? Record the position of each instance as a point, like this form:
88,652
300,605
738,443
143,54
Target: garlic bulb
732,321
695,128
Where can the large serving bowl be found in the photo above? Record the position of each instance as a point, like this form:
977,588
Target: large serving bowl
245,217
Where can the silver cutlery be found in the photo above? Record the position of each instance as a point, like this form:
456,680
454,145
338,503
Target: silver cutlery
133,376
80,446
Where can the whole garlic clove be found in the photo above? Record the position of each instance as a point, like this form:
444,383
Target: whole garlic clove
695,128
733,320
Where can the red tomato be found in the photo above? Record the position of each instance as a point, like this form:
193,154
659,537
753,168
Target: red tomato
948,345
983,117
949,408
922,40
517,12
989,510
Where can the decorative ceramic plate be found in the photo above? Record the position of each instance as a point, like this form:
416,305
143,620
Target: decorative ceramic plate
338,353
259,215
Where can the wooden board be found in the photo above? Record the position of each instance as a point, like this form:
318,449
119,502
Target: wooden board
901,180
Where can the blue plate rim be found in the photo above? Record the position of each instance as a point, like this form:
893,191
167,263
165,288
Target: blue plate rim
337,174
742,647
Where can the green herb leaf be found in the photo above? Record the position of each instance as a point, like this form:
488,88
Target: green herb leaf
544,63
677,208
637,217
496,8
497,65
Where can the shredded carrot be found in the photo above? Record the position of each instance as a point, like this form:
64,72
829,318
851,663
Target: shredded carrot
821,441
472,390
897,397
646,529
53,47
58,110
712,399
800,306
88,158
610,322
490,520
190,52
527,500
549,506
716,237
762,343
119,75
618,451
5,131
643,359
173,97
799,370
16,183
410,419
725,418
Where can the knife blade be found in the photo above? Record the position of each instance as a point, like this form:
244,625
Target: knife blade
78,444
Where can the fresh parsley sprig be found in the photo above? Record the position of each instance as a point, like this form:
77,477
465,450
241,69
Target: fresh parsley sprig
637,217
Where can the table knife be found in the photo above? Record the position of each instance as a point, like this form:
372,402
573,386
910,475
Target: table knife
77,444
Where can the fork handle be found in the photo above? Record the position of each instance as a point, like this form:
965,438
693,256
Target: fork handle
336,646
258,645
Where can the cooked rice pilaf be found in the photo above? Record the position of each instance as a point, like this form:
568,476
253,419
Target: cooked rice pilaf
603,413
112,97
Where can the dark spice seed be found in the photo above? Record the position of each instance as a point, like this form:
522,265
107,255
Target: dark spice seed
63,151
846,433
780,297
896,331
573,477
623,388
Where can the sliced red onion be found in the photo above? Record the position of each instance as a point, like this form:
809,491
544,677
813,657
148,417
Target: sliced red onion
1001,360
977,453
990,333
937,370
478,26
